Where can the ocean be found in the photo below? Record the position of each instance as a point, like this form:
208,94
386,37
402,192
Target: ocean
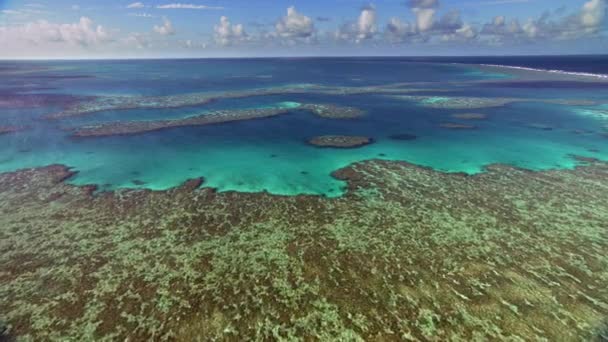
271,154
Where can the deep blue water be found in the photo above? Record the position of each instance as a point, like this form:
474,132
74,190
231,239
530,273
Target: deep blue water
593,64
272,154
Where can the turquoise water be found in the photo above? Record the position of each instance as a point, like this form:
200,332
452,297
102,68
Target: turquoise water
271,154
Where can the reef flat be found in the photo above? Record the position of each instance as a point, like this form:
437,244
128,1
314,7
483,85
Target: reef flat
470,116
11,129
453,125
104,103
215,117
139,127
333,111
407,253
11,100
340,141
461,102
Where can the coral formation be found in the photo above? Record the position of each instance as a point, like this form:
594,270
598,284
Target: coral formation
143,126
452,125
10,129
104,103
407,253
461,102
339,141
215,117
11,100
469,116
333,111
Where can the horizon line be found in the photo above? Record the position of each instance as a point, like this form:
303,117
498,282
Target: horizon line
292,57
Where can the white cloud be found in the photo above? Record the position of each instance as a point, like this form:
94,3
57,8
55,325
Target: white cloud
592,14
141,15
10,12
424,10
423,3
189,6
531,29
226,34
24,13
137,40
398,31
424,18
363,29
465,33
82,33
166,29
587,21
366,24
295,25
35,5
136,5
43,38
190,44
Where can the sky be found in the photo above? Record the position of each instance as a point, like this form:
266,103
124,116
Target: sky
40,29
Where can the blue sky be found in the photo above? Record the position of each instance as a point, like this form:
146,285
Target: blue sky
235,28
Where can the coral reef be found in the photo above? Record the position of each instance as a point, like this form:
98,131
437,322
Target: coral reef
11,129
339,141
215,117
407,253
460,102
143,126
540,126
602,333
11,100
104,103
333,111
452,125
469,116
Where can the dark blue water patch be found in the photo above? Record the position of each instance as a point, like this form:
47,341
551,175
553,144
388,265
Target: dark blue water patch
548,84
595,64
561,93
179,76
295,126
11,100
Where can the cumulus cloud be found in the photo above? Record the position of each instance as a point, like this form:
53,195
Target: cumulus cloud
398,31
137,40
423,3
450,27
363,29
190,44
424,10
366,24
166,29
189,6
136,5
592,14
549,26
295,25
43,38
450,21
142,15
464,33
82,33
424,18
226,33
